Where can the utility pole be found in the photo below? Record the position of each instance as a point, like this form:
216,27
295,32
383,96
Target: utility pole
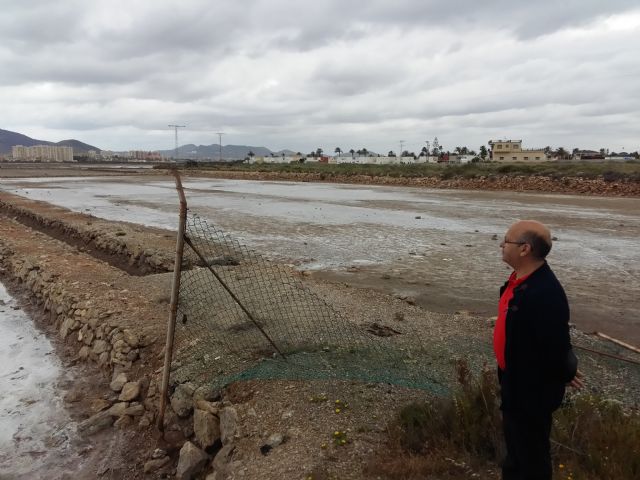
220,142
176,127
401,144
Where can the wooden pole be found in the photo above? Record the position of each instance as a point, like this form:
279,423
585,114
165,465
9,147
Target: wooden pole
618,342
175,291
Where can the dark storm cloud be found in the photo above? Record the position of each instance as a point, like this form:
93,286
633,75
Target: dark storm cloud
295,70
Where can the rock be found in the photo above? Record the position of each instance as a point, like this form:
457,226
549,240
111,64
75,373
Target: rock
158,453
66,326
83,354
123,422
131,338
206,428
212,407
118,409
191,461
130,391
134,410
182,401
118,382
228,424
100,346
99,404
72,396
96,423
275,439
103,359
156,464
208,393
222,459
174,438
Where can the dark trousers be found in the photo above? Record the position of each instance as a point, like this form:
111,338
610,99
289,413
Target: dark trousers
528,446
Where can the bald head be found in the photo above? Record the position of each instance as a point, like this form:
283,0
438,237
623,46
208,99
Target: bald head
535,234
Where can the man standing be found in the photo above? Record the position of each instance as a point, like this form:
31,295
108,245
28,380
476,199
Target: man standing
533,351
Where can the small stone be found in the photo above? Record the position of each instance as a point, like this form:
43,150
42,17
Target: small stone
206,428
156,464
118,409
118,382
158,453
131,338
191,461
275,439
212,407
182,401
99,404
123,422
228,424
134,410
96,423
100,346
222,459
130,391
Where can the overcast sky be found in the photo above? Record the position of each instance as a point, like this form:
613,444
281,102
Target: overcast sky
327,73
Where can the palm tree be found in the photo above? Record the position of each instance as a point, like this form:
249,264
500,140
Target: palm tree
562,153
338,150
352,152
318,152
391,154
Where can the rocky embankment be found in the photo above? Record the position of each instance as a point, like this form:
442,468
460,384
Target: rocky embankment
135,249
519,183
114,323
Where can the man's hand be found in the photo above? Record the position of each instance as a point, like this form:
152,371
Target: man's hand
577,381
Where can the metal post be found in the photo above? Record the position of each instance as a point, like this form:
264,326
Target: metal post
175,290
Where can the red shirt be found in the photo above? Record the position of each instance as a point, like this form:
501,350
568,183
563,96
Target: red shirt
500,331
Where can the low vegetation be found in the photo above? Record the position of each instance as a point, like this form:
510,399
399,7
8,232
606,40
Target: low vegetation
461,437
610,171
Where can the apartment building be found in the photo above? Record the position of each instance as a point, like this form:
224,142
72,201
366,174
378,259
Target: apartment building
512,151
42,153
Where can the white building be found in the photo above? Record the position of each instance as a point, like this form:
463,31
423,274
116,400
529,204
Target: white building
42,153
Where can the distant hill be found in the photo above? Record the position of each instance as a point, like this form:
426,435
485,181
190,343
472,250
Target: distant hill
8,139
212,152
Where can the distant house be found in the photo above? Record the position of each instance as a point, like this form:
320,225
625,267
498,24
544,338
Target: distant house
587,155
512,151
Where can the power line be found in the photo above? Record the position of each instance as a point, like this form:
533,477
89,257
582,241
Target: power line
220,143
176,127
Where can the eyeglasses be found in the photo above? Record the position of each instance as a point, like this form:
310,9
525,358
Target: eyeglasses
515,243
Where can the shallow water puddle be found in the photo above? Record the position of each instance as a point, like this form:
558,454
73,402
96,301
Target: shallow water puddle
35,429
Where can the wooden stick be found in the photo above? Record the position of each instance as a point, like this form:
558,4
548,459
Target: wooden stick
610,355
175,290
618,342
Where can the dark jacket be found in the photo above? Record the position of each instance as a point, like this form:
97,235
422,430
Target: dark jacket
538,351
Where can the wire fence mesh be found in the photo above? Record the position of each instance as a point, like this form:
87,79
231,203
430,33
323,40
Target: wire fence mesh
241,316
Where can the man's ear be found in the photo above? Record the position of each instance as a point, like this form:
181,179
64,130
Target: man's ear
526,250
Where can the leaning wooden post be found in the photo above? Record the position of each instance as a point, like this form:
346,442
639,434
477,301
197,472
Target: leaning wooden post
175,291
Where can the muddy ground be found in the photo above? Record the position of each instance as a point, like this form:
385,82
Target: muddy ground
423,283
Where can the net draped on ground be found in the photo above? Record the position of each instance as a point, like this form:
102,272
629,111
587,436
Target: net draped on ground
290,332
294,333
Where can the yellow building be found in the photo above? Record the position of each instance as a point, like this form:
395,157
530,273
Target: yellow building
512,151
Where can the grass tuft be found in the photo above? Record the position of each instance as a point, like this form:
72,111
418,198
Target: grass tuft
461,436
